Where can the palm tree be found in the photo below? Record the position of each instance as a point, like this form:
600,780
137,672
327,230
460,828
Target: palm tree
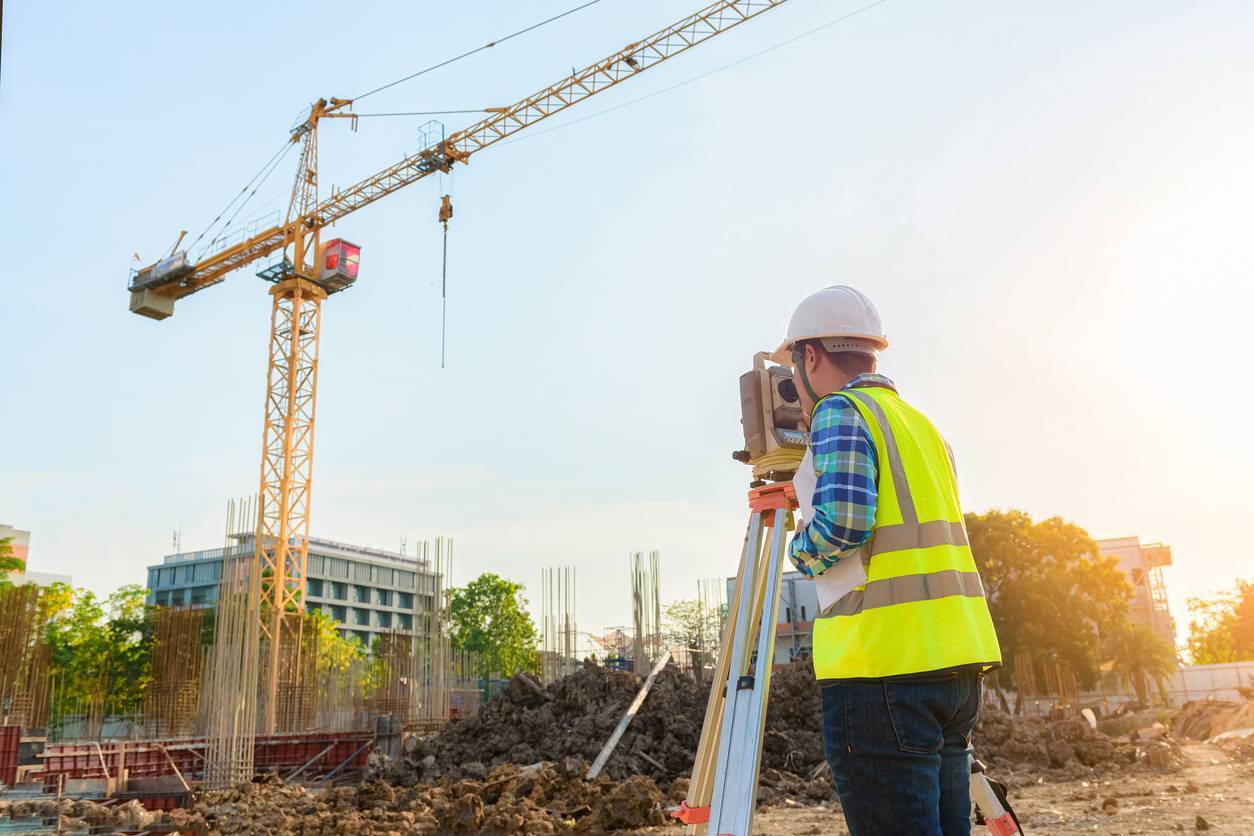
1140,656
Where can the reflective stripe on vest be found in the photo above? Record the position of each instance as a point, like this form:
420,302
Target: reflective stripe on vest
922,607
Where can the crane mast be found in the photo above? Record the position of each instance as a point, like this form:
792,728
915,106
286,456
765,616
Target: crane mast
303,279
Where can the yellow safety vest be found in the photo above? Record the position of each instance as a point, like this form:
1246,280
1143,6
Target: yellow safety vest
922,607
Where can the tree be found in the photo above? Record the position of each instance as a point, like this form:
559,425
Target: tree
1222,627
489,617
690,624
1141,656
99,651
336,654
1049,591
129,637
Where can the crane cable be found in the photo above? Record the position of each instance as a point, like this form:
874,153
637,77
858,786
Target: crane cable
273,165
446,214
488,45
269,163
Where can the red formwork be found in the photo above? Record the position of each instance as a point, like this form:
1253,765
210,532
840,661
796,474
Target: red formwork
324,752
10,739
139,759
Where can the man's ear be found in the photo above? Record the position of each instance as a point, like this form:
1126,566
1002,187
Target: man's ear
812,358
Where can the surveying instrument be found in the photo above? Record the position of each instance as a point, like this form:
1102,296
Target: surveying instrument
723,791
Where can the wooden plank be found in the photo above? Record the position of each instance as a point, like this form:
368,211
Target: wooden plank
608,749
174,766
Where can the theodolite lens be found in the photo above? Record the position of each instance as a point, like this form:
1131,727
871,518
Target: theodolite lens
788,390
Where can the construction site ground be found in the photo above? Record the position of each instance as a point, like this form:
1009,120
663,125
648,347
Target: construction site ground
1212,791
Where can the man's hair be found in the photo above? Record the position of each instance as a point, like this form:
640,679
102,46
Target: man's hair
852,363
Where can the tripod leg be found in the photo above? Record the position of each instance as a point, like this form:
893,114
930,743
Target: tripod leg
748,688
701,786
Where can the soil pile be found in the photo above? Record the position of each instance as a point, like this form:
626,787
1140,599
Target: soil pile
1064,749
571,718
793,739
1203,719
543,798
575,716
83,816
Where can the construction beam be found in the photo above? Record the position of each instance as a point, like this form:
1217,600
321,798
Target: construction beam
608,749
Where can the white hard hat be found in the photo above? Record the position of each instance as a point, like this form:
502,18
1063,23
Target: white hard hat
842,317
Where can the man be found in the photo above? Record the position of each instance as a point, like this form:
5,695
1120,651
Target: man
899,658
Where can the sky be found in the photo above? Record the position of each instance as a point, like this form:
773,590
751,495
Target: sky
1048,203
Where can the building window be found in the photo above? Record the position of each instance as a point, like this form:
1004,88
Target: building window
385,597
387,577
198,595
405,580
340,614
312,608
361,617
405,600
405,621
338,567
362,595
339,591
361,572
314,587
787,614
803,613
315,564
385,619
167,577
364,638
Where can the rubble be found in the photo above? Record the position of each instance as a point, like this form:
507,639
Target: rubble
1066,749
1204,719
576,715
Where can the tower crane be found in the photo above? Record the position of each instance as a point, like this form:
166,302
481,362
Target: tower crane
310,271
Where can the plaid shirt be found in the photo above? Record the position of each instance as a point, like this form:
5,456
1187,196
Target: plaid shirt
846,463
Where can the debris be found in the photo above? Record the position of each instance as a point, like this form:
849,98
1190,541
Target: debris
1064,749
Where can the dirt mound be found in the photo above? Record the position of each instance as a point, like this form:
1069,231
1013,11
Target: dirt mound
1064,749
576,715
571,718
1203,719
542,798
793,739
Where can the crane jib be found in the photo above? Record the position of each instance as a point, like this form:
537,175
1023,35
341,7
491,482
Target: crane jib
162,287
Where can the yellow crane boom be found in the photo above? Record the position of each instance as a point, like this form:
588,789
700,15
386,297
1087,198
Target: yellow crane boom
631,60
307,274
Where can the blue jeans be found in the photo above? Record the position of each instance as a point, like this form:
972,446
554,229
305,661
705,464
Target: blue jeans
898,750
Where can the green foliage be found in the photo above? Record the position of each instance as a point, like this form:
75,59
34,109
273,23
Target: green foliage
489,617
99,650
1140,657
1049,591
1222,627
335,653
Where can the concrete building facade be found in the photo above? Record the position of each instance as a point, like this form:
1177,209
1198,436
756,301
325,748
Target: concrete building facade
20,544
368,591
1142,565
20,541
